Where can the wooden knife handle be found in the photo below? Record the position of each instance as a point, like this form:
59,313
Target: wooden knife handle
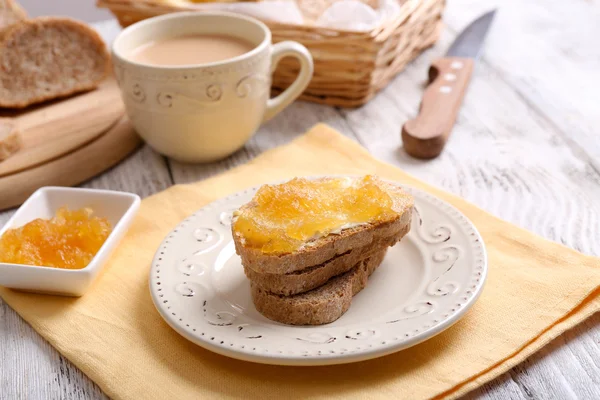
425,136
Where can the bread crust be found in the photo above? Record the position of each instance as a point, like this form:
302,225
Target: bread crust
319,306
12,32
326,248
312,277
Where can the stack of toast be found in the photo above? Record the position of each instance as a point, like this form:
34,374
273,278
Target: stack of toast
314,283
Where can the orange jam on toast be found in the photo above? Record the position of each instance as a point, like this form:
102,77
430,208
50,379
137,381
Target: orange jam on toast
68,240
281,218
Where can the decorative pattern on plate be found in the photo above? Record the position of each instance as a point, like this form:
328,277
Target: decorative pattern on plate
415,310
188,267
217,318
439,234
249,331
361,334
226,217
207,239
185,290
205,235
199,287
318,338
448,257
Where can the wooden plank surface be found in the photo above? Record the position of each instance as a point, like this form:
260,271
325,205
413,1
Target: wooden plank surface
525,148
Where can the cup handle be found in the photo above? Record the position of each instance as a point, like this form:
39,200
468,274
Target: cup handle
294,49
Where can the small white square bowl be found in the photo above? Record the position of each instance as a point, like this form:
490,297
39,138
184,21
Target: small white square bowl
118,207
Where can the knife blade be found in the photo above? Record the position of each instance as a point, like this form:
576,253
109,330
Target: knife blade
426,135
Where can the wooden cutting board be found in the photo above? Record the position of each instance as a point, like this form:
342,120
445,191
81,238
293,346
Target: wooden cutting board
67,142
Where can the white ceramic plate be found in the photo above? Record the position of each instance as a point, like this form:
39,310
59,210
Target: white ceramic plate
426,283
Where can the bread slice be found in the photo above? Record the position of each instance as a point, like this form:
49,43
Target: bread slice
10,141
325,248
312,277
49,57
10,13
319,306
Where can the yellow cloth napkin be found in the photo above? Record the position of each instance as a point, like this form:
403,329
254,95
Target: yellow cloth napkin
536,290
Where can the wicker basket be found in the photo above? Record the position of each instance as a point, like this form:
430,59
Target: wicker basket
350,67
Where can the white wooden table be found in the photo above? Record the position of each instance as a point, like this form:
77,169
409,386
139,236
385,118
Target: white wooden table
526,148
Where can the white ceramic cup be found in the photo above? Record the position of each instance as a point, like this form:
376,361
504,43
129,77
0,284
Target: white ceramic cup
204,112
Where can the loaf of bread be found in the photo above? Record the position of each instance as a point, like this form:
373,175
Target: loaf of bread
49,57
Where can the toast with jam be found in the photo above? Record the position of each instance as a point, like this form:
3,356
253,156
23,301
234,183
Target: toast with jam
297,237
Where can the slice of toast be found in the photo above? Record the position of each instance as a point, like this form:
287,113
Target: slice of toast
312,277
327,247
319,306
49,57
